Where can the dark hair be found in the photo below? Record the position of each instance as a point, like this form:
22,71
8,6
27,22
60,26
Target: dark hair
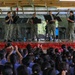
14,12
39,61
26,61
7,44
8,12
70,49
25,51
1,69
52,63
9,64
50,11
47,72
45,65
29,48
36,68
63,66
74,57
71,11
46,57
13,58
7,70
1,56
63,46
22,70
56,50
50,50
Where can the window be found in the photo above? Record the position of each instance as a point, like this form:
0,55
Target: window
5,8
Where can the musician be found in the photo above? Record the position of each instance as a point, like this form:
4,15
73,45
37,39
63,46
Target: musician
16,28
8,26
15,17
34,26
51,24
71,19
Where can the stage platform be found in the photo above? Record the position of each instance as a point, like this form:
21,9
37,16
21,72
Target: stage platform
44,45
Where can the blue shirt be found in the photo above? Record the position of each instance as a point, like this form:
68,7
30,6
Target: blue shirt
31,64
3,61
16,65
29,70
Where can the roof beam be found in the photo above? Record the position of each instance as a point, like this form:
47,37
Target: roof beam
31,2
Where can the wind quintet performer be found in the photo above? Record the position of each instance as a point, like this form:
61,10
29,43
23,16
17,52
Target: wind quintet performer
8,27
34,27
51,24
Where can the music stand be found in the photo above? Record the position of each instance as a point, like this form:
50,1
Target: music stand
38,20
24,20
46,17
19,21
58,19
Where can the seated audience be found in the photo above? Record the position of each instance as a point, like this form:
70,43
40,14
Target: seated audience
33,61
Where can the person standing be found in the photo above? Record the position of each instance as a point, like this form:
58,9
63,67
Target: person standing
16,28
71,19
8,26
51,25
34,26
